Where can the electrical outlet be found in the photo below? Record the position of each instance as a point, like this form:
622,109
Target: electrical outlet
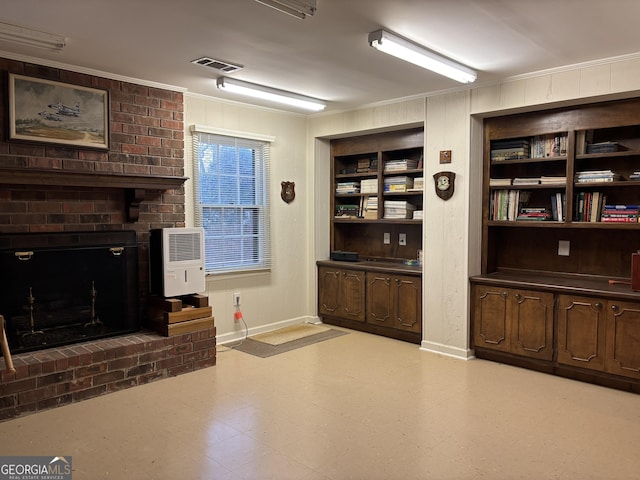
236,299
386,238
564,248
402,239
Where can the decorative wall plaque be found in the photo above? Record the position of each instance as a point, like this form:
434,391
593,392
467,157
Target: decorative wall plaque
288,191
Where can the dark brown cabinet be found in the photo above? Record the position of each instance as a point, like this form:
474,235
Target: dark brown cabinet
341,293
581,331
377,297
623,339
394,301
514,321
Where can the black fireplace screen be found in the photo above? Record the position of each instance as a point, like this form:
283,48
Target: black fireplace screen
63,288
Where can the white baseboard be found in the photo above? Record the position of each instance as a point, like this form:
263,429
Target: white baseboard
240,335
447,350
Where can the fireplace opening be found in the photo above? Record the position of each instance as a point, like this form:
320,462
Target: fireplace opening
68,287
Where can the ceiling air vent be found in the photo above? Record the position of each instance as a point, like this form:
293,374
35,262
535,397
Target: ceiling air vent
217,64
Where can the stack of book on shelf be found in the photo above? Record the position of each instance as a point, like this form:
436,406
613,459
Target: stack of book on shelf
371,208
590,176
400,165
589,206
505,204
526,181
559,207
347,211
347,187
502,150
499,182
398,209
635,176
366,165
535,214
398,184
553,180
369,185
418,184
543,146
602,147
620,213
418,215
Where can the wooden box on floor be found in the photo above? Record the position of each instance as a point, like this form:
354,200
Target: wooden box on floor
177,315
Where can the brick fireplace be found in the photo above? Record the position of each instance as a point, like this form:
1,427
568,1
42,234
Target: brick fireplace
136,185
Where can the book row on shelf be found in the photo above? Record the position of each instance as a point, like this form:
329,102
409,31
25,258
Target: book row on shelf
391,184
544,180
401,165
363,165
512,205
368,209
586,176
541,146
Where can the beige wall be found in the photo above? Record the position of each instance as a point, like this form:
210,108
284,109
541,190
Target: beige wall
282,296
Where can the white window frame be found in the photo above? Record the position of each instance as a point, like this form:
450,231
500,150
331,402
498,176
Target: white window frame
218,259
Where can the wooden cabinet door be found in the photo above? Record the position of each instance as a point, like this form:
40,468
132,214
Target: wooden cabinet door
352,295
491,326
623,339
329,291
379,299
407,303
531,317
581,331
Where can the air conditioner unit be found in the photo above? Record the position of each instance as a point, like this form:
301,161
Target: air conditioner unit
176,261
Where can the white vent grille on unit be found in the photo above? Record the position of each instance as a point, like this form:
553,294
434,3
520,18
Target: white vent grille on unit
217,64
184,246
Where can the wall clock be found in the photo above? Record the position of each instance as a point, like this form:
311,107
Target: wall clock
444,183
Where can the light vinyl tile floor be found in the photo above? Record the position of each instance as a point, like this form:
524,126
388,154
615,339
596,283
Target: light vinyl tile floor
354,407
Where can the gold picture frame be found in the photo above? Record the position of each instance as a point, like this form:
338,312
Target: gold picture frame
54,112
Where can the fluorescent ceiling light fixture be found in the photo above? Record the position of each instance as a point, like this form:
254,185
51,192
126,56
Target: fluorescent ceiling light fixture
32,38
417,54
267,93
296,8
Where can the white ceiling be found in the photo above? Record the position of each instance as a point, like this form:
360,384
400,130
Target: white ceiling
325,56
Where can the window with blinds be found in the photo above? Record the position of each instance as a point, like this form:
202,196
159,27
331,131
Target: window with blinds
231,179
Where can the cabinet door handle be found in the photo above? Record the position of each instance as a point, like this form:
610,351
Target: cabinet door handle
518,296
615,308
505,294
397,281
598,305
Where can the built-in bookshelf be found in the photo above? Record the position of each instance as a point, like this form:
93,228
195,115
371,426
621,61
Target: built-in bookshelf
561,203
378,187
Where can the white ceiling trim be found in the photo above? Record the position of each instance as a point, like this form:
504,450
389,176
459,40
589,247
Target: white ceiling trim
89,71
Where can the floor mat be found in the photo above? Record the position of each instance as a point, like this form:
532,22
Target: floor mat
264,350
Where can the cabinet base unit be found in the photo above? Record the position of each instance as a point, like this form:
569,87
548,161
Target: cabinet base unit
593,336
382,298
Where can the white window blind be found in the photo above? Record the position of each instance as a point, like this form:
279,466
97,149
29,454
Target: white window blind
231,179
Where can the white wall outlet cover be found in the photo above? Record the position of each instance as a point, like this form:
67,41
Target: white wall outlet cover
564,248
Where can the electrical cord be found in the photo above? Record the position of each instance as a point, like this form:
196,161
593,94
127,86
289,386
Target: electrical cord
237,316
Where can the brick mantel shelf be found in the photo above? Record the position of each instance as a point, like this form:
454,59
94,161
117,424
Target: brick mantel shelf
135,185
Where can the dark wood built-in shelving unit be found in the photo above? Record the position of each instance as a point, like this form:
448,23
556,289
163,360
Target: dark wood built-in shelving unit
555,294
379,293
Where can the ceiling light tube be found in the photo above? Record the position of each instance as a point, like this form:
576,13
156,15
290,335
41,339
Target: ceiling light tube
271,94
32,38
296,8
411,52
